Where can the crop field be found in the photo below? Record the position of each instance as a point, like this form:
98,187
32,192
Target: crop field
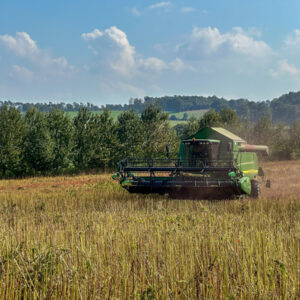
83,237
191,113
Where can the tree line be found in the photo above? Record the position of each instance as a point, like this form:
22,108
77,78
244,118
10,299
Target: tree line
47,107
284,109
52,143
38,143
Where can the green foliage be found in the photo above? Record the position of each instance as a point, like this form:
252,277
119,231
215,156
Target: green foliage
103,141
52,143
82,141
38,144
11,141
284,109
262,132
185,116
130,135
190,128
95,140
157,132
294,134
61,131
210,119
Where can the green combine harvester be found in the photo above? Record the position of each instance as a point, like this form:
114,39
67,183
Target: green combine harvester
213,163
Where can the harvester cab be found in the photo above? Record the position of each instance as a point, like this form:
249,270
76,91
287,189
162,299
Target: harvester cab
212,163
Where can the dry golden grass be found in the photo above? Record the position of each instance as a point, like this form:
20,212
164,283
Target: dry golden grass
85,238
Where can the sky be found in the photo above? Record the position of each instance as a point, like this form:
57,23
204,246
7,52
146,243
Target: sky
108,51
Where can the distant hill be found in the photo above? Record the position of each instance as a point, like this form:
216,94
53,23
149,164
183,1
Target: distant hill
284,109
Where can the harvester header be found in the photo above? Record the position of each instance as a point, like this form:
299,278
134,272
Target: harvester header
211,163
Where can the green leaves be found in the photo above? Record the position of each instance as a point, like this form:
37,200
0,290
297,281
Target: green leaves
38,144
94,140
61,132
11,141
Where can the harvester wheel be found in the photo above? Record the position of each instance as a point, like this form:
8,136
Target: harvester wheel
255,189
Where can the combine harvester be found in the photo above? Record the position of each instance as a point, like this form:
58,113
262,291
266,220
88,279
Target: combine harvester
213,163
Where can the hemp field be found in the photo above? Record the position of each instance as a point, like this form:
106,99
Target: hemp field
85,238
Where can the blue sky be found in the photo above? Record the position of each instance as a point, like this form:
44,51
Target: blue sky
109,51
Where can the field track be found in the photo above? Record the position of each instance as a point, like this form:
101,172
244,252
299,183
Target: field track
83,237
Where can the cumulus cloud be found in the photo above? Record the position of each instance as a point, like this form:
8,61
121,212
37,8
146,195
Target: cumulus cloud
96,33
210,41
159,5
114,49
23,46
152,64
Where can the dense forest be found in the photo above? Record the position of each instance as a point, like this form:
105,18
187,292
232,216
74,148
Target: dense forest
284,109
52,143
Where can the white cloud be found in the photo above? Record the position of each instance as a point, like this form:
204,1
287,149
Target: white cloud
23,46
153,64
160,6
255,32
114,49
22,73
177,65
163,4
187,9
293,39
284,69
96,33
210,41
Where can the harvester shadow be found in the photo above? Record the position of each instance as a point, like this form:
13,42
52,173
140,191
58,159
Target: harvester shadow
211,194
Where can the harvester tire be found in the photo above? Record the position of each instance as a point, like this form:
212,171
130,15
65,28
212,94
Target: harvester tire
255,189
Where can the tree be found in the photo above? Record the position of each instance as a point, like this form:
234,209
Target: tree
11,142
281,143
294,139
83,147
230,120
210,119
104,140
61,132
130,135
190,128
38,144
185,117
262,132
157,133
173,118
94,140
